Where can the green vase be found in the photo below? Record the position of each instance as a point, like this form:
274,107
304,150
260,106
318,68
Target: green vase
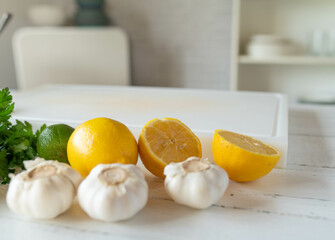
91,4
91,17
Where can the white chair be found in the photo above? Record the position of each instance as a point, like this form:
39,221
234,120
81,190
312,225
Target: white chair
71,55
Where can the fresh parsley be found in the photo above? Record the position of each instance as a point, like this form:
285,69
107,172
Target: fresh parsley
17,141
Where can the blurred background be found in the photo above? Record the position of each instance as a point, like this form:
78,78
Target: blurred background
285,46
173,43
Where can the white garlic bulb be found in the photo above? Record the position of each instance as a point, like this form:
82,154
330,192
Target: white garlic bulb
43,191
195,182
113,192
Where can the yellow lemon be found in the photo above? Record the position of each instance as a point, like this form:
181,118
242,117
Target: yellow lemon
244,158
166,140
101,140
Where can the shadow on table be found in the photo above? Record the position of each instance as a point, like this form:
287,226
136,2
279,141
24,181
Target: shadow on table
160,208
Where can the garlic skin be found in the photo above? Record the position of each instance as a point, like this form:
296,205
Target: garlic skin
113,192
43,191
196,182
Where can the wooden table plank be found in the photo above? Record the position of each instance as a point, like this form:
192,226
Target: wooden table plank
164,219
281,204
314,151
312,120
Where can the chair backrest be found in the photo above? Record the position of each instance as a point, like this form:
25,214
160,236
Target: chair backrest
71,55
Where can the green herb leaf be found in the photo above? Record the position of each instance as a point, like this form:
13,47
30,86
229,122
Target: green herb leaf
17,141
3,166
6,105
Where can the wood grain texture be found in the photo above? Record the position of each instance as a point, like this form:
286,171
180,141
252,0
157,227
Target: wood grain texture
278,206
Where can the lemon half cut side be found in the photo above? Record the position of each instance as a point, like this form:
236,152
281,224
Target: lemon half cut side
244,158
166,140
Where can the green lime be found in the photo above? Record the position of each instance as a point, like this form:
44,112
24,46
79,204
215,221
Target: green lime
52,142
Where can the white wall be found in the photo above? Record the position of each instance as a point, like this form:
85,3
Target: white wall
173,43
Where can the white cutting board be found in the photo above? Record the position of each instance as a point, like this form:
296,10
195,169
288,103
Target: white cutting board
261,115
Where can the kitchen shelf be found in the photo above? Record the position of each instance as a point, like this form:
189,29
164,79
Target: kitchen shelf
294,20
288,60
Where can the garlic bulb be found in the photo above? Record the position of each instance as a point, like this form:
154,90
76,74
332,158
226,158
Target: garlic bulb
195,182
113,192
43,191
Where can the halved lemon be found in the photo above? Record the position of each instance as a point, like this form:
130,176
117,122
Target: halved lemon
166,140
244,158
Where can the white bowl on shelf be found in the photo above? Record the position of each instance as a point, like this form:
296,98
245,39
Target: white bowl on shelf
269,46
270,50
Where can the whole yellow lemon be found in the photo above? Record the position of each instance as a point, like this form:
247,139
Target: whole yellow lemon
101,140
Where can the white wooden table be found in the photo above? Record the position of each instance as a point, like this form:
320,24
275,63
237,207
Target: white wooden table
293,203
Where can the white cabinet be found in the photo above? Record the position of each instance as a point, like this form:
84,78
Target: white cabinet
295,20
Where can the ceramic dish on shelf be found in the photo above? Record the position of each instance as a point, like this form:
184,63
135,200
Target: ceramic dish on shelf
269,50
264,46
